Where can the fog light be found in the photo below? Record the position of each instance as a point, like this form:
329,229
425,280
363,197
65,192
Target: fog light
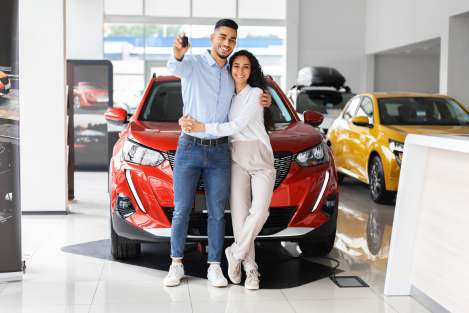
124,206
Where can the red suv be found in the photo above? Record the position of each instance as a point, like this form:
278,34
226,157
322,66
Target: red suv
305,199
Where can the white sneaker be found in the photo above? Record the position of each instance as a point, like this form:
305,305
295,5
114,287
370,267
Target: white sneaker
234,266
175,274
252,280
215,276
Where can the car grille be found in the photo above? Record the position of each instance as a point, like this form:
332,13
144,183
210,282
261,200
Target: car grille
278,219
282,162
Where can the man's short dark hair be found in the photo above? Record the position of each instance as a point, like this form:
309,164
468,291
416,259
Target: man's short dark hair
227,23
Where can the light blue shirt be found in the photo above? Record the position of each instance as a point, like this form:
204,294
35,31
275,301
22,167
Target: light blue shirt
207,88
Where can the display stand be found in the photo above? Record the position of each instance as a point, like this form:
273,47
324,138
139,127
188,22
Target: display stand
429,251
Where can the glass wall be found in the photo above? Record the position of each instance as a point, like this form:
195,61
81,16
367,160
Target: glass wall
138,50
139,42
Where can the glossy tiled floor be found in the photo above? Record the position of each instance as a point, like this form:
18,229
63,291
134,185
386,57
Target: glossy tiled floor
56,281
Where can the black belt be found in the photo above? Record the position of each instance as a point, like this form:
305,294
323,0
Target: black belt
205,142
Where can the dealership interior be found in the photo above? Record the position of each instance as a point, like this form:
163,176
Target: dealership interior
369,113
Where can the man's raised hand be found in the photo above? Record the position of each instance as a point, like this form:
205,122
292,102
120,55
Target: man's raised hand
178,49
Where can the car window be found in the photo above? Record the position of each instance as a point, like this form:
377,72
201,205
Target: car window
321,100
351,108
366,109
164,104
278,110
421,111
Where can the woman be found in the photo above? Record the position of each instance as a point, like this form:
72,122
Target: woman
252,169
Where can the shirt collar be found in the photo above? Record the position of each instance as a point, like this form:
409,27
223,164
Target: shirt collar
244,91
211,61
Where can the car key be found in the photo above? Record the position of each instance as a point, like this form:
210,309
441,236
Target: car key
185,41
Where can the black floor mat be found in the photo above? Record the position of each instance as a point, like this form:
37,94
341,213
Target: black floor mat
278,268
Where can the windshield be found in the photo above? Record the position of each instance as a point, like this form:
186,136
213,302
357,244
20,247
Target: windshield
421,111
164,104
321,100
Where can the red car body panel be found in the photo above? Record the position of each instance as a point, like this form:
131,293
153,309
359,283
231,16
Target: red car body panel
299,189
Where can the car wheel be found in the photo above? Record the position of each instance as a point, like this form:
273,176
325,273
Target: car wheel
317,248
341,177
123,248
377,185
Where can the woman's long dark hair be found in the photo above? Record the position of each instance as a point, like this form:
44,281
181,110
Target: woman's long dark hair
256,79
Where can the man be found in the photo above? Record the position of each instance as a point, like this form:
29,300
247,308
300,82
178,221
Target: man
207,89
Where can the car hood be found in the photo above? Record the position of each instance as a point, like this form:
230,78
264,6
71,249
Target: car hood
163,136
429,129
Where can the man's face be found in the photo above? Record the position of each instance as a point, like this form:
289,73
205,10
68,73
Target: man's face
223,41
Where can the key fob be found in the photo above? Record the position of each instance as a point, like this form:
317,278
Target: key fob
185,41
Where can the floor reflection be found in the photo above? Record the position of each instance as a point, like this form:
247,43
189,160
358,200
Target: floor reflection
363,233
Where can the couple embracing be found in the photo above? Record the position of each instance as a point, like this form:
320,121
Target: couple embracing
224,140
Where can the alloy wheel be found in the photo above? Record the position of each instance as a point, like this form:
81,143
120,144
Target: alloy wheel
375,178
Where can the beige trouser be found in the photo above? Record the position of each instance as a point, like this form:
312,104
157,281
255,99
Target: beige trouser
252,184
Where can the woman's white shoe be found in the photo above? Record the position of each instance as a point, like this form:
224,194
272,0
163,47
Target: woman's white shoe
252,280
234,266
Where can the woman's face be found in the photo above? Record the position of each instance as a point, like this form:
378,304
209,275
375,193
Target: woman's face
241,69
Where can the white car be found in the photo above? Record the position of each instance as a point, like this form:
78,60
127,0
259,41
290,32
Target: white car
320,89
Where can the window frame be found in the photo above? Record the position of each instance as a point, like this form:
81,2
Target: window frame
372,118
344,115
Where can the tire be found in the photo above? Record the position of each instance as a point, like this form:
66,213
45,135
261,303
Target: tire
376,183
122,248
317,248
340,177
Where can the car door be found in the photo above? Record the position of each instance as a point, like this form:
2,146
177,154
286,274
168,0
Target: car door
341,133
361,139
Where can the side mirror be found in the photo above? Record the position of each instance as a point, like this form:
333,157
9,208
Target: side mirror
116,115
313,118
361,121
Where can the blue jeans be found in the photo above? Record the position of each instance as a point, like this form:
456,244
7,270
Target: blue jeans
213,163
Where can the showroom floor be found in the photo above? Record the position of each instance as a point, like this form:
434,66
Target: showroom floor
59,281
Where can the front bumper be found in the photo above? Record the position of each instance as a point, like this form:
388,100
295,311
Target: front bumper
300,209
129,231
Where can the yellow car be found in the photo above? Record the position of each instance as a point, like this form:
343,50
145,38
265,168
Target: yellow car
367,139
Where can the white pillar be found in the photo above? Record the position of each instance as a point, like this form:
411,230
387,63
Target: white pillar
292,46
444,59
368,82
43,147
458,58
85,20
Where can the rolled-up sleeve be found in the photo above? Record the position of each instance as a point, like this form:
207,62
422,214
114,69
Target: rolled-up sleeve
181,69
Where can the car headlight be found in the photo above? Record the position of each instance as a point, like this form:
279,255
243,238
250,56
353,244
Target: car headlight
314,156
397,148
138,154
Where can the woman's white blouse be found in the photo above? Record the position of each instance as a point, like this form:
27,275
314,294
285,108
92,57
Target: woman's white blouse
246,119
